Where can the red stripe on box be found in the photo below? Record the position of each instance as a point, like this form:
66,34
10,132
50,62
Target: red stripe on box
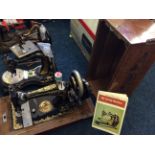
111,100
90,32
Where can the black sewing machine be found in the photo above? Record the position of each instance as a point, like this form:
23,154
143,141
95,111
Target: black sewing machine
54,100
37,32
26,54
21,45
20,78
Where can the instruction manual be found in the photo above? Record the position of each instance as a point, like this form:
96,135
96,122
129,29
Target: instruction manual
110,112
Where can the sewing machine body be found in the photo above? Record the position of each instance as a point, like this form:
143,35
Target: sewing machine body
50,101
39,109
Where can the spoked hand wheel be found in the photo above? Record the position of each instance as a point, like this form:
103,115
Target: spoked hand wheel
76,83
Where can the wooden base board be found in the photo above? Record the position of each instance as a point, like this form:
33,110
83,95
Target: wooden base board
79,113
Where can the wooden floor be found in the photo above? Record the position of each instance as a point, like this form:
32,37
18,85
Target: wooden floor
79,113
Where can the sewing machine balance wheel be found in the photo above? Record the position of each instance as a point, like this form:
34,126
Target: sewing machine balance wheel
76,83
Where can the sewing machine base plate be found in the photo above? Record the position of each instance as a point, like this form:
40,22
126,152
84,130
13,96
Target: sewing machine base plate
6,124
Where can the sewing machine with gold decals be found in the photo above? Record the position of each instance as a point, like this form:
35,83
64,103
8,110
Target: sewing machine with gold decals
36,106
